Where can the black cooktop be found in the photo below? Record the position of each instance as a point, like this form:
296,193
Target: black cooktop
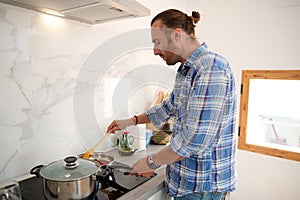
32,188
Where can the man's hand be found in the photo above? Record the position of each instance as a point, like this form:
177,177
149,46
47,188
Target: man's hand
141,168
119,125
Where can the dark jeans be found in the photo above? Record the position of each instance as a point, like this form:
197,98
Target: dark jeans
203,196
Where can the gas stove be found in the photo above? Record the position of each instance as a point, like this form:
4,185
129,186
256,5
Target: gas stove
122,183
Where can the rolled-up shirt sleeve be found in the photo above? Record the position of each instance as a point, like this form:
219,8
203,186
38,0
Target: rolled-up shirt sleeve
162,112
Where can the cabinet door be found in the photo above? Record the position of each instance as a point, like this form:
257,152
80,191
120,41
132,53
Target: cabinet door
160,195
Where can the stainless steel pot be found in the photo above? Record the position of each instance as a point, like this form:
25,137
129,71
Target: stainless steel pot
71,178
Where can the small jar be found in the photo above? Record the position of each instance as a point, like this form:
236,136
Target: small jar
126,141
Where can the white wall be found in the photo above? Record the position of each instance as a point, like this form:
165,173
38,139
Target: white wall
258,34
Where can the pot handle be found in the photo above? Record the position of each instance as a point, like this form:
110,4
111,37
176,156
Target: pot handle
36,170
120,167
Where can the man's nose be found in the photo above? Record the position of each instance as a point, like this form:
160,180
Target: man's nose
156,51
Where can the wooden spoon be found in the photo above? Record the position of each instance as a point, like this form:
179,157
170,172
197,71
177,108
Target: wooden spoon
91,150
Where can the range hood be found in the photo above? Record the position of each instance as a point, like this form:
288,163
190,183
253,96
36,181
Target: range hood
86,11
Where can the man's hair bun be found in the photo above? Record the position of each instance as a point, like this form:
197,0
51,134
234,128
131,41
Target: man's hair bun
196,17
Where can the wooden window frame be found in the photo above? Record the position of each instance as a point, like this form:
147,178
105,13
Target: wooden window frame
242,132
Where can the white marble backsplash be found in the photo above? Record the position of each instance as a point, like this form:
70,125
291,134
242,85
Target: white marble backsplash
36,90
41,58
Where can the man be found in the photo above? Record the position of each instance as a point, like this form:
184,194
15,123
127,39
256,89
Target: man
201,156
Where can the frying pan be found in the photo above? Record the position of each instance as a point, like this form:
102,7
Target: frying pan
102,158
105,160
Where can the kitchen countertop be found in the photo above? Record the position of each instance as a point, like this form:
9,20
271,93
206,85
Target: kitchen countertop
149,188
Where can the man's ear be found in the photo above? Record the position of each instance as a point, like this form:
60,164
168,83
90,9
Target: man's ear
177,33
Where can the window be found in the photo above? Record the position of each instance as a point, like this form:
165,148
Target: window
270,113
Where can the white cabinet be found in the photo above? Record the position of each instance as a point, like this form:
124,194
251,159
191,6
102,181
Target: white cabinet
160,195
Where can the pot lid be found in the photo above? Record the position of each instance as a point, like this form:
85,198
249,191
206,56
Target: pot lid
71,168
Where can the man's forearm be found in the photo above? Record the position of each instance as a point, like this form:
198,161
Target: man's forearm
166,156
141,119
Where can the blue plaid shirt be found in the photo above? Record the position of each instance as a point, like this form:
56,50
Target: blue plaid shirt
203,107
